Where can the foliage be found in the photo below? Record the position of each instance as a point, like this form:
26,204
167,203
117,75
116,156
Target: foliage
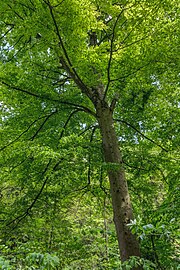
53,177
4,264
34,261
135,262
162,238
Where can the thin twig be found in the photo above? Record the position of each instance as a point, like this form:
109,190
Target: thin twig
26,213
9,30
67,121
88,128
89,158
41,126
19,136
28,7
134,167
130,74
149,139
16,12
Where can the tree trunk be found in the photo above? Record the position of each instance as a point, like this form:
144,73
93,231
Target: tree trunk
122,209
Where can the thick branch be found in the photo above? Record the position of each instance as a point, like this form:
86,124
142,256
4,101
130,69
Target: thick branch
85,109
66,62
22,90
87,91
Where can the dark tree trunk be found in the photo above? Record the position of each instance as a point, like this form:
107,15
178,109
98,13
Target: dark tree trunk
122,209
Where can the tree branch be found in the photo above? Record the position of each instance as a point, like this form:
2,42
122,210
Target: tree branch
130,74
85,109
9,30
101,183
22,90
26,213
28,7
134,167
67,65
67,121
130,125
16,12
89,167
130,44
87,91
88,128
137,23
89,158
41,126
111,54
26,130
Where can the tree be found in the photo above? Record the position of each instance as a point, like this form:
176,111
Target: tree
104,60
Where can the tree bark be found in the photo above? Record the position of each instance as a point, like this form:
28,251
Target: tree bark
122,209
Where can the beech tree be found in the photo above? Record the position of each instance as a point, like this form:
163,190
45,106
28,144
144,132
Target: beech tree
106,66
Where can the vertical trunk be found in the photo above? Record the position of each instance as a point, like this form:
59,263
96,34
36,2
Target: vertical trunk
122,209
128,244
